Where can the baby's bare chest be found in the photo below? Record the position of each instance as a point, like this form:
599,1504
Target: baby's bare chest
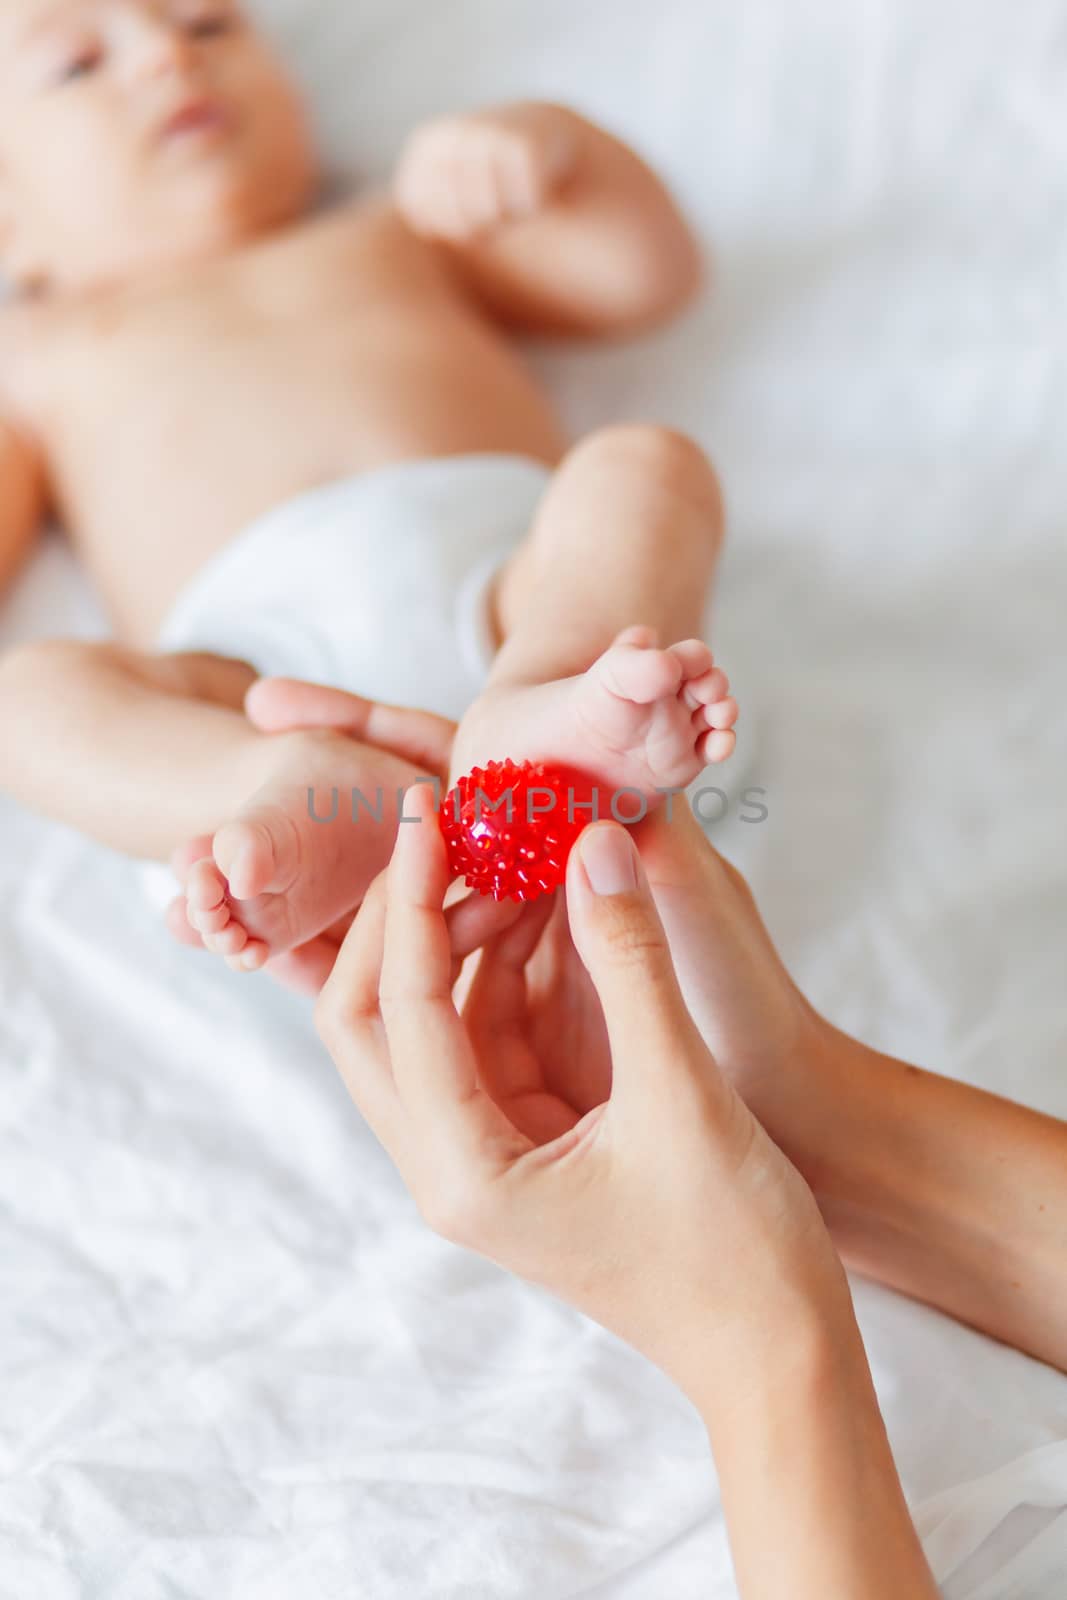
169,422
326,339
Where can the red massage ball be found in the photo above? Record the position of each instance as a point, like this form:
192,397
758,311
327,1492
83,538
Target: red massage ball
509,829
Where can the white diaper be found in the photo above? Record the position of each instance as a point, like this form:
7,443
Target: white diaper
378,584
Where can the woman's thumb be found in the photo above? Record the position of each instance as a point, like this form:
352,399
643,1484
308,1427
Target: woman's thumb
621,940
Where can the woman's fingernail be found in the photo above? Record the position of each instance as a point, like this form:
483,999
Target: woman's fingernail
610,861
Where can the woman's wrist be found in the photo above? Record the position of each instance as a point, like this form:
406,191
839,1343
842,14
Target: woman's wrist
795,1425
939,1189
787,1304
794,1338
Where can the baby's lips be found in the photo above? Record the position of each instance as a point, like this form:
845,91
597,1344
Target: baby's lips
200,115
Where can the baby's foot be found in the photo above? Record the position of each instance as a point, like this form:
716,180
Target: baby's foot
640,718
293,860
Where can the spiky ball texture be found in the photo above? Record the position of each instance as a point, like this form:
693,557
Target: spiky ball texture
510,828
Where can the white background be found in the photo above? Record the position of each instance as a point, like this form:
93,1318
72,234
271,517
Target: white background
233,1361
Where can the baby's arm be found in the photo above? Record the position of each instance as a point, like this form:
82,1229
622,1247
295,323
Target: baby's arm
554,224
22,499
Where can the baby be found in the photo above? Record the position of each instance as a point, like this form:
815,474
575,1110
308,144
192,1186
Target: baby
302,444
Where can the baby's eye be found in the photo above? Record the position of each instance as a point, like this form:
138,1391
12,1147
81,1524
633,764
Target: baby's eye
210,27
81,65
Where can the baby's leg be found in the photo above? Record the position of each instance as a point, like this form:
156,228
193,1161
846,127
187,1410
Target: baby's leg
144,752
629,532
135,750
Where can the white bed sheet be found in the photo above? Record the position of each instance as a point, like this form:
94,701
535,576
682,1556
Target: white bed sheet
232,1361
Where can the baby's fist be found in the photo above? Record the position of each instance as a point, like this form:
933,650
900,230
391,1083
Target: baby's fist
464,175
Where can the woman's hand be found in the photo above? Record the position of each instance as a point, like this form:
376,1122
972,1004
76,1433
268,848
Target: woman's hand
664,1212
761,1030
277,705
547,1058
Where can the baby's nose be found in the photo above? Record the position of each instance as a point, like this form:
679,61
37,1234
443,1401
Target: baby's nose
163,47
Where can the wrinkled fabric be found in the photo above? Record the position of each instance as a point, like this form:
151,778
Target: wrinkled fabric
232,1360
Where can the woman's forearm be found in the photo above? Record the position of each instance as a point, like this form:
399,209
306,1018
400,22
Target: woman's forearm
810,1492
943,1191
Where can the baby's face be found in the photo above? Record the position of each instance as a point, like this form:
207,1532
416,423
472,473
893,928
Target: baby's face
140,133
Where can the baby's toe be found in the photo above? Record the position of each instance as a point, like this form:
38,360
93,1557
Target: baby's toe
723,714
176,919
694,657
230,941
639,634
638,674
718,745
209,922
706,689
205,900
250,958
244,854
187,855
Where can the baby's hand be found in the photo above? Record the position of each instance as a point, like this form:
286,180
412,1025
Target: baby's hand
464,175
